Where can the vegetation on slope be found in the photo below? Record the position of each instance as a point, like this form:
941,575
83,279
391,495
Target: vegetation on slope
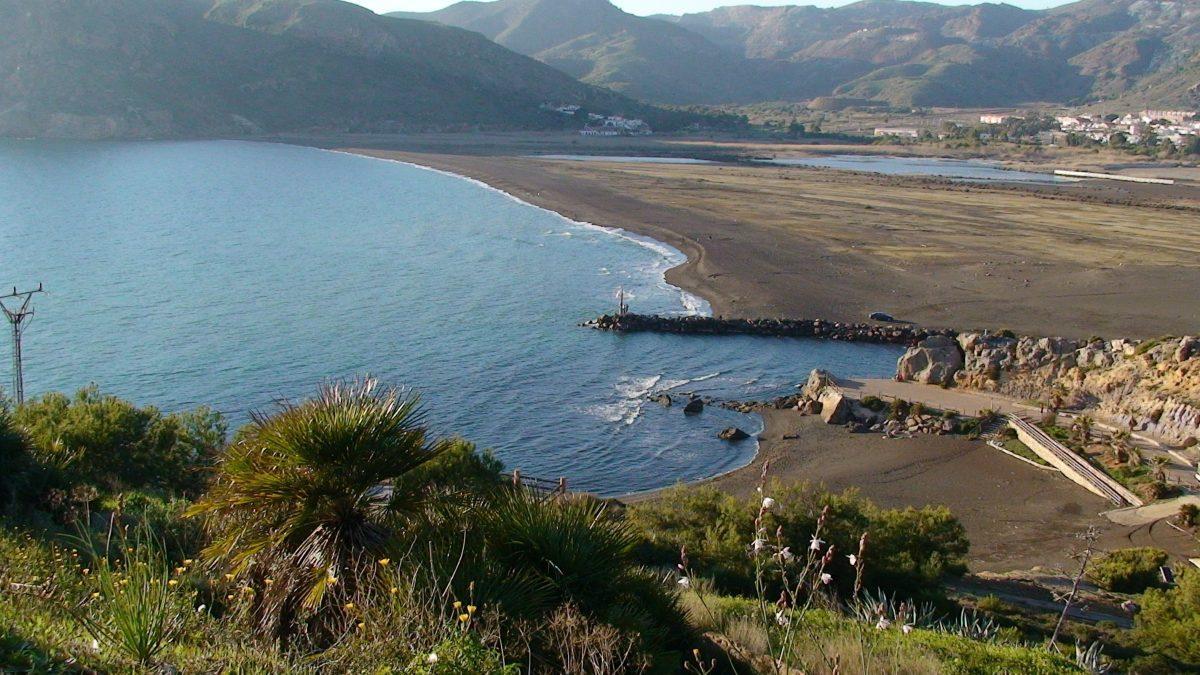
130,68
336,534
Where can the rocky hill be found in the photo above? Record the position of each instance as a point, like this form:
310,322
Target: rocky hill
1151,386
907,53
645,58
149,68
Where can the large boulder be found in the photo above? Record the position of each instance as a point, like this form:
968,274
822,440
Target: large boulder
733,434
835,408
934,360
694,407
817,381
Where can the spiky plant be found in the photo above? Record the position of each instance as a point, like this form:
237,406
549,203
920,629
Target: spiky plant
579,553
1158,466
306,500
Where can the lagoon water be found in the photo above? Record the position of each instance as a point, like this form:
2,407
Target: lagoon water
235,274
969,170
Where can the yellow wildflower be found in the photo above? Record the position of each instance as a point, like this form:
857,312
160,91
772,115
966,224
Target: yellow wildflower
471,609
173,582
457,604
349,605
464,617
384,562
395,590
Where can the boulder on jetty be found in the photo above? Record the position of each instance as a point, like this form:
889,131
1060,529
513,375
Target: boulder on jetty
662,399
694,407
934,360
904,334
733,434
835,408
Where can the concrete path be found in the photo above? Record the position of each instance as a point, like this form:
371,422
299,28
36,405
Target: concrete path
959,400
1143,515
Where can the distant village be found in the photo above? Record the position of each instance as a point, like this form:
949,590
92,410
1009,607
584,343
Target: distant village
1177,127
1180,128
602,125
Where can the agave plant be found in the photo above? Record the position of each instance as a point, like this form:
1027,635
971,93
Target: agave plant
305,501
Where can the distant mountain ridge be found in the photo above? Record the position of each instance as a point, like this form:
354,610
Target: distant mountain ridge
903,52
145,68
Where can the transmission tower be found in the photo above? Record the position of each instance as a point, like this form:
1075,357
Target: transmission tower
18,318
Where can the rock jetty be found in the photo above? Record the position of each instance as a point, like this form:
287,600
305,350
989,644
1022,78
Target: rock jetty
901,334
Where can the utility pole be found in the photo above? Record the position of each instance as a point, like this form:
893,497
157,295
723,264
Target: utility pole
17,317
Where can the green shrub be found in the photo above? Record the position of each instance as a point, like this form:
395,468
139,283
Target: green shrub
1169,620
1189,515
874,403
909,550
1129,570
463,654
112,444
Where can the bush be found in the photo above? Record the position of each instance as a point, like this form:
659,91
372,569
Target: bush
1129,570
1189,515
874,403
110,443
909,550
1169,620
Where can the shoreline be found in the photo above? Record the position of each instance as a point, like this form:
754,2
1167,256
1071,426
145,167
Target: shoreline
1052,507
798,242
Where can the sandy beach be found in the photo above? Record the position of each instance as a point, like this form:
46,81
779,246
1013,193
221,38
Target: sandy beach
1075,261
1094,258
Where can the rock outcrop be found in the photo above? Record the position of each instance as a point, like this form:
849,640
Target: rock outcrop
694,407
733,434
1152,386
934,360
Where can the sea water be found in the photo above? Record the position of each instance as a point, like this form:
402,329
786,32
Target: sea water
238,274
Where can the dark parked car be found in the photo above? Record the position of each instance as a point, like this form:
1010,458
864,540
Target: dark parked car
882,316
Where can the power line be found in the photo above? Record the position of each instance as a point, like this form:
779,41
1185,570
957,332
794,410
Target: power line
17,317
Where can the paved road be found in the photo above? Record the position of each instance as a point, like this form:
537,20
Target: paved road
959,400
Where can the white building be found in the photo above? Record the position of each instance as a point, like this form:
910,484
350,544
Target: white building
902,132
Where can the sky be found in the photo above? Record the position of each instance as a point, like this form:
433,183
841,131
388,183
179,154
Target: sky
644,7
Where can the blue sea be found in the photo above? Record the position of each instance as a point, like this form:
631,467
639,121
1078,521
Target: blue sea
237,274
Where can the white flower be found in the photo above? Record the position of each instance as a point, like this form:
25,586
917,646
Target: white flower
826,578
432,658
768,503
95,645
201,608
781,618
906,628
853,560
883,624
815,544
786,554
759,544
685,582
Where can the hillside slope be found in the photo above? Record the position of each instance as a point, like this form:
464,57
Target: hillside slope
903,52
645,58
144,68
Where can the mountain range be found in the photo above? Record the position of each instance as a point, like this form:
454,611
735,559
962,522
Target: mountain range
904,53
147,68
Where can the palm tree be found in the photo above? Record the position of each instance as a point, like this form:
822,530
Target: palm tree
1158,465
306,500
1082,429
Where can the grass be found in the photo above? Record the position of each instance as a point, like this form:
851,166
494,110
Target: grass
1018,448
860,648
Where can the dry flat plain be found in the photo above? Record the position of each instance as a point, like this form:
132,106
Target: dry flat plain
1095,258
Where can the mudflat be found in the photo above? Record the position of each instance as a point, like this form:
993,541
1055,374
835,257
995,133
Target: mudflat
1096,258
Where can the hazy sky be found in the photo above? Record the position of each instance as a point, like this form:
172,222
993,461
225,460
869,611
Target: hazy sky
671,6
